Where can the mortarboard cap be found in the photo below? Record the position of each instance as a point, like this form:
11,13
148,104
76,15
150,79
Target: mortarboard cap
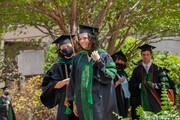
119,55
4,88
63,39
88,29
146,47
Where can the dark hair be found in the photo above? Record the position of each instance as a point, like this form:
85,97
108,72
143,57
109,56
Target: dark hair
59,53
93,40
121,58
146,50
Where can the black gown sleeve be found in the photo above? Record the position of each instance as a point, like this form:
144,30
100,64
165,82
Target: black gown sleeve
134,82
72,83
50,96
105,69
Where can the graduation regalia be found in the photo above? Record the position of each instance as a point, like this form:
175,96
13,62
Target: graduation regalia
170,85
147,97
122,90
122,97
142,91
6,108
51,96
92,86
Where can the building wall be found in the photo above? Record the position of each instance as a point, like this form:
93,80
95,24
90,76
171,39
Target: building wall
29,62
171,44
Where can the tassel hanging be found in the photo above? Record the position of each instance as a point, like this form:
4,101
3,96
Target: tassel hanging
68,111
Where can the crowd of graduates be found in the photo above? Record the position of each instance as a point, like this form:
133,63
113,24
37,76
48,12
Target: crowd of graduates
91,84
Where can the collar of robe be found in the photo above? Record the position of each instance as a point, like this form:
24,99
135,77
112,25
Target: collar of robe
64,60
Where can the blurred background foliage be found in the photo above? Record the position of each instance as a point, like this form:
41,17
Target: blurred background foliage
27,104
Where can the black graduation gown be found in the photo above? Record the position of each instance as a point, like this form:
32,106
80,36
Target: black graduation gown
170,86
103,89
122,102
136,79
6,114
51,97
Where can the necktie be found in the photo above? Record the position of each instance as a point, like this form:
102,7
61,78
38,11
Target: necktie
146,68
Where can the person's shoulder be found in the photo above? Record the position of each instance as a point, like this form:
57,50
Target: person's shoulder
101,50
55,64
77,55
156,66
137,68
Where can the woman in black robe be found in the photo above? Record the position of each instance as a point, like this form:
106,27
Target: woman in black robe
91,83
55,82
145,85
121,84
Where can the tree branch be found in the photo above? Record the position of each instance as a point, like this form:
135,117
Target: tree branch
123,38
47,28
97,22
73,20
134,6
115,33
85,11
41,9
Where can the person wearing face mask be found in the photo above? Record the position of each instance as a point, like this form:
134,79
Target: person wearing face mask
56,80
121,84
6,108
91,84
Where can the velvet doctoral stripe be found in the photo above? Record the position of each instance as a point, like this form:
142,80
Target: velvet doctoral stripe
110,69
149,97
65,61
144,94
86,90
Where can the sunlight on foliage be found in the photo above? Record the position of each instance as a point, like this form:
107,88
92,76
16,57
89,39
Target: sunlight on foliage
27,104
50,57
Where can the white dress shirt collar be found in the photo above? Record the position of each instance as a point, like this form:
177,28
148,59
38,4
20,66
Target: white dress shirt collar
149,65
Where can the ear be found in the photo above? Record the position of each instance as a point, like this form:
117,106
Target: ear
60,50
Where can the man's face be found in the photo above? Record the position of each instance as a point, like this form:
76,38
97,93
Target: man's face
6,92
146,56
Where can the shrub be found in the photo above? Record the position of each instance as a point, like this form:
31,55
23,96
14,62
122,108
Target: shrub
27,104
168,111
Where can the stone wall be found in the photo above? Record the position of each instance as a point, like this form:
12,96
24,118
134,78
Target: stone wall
30,62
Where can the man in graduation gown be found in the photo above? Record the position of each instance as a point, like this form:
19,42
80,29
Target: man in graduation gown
6,109
121,83
91,83
56,80
169,84
145,84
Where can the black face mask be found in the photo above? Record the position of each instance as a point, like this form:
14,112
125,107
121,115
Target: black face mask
120,66
6,93
67,52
